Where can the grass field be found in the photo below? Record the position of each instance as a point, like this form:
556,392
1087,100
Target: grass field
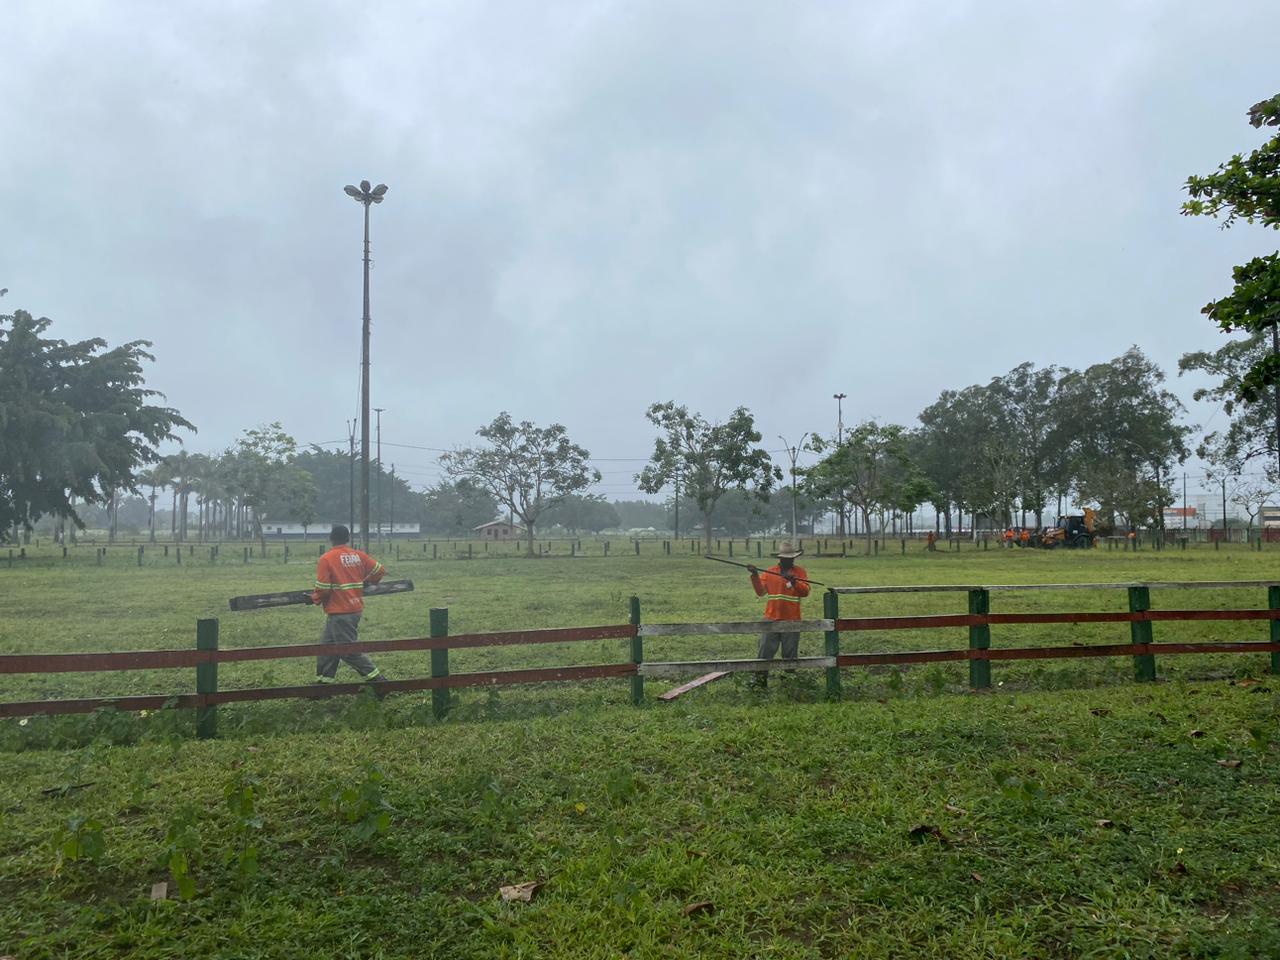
1069,813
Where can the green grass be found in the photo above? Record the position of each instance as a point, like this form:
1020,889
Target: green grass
794,820
793,817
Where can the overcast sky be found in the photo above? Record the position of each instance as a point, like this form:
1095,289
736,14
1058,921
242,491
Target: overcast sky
596,206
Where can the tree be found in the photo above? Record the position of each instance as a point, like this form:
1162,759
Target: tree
1252,495
871,469
524,467
264,465
455,509
1124,423
709,458
576,512
1248,188
76,421
1251,433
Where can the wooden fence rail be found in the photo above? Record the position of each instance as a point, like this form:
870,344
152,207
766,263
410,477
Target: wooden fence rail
979,653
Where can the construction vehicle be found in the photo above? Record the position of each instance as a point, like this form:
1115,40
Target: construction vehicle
1079,530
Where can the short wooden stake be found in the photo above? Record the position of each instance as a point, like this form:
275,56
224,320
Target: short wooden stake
637,654
1144,664
831,611
139,556
637,547
207,679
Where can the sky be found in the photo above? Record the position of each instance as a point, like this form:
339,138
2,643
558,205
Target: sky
597,206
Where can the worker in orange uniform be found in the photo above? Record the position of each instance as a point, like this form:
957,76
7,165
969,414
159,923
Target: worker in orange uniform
1008,537
931,542
341,576
783,584
1025,536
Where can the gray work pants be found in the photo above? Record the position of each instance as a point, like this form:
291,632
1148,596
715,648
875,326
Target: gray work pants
343,628
769,642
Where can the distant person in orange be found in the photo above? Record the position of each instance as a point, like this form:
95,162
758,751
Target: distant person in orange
931,542
1008,537
783,584
1025,537
341,576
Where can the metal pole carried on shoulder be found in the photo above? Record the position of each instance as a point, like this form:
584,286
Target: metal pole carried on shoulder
748,566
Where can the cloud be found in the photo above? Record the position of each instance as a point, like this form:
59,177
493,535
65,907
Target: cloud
598,205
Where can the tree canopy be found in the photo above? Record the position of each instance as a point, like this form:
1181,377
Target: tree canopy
76,421
706,459
1248,188
525,468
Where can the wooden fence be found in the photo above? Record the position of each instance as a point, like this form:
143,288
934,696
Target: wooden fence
979,653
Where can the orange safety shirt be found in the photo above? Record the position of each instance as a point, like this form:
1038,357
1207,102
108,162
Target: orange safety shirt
784,597
1026,536
340,578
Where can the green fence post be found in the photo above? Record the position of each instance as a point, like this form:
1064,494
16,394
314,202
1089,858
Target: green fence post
831,611
980,639
637,654
1144,664
1273,601
207,679
440,661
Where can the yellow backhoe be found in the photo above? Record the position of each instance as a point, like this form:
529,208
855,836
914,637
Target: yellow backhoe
1075,531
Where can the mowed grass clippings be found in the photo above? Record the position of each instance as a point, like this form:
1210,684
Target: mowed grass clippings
1101,819
1071,823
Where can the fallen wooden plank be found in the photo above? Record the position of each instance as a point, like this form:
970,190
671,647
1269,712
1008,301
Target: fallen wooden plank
684,668
259,601
692,684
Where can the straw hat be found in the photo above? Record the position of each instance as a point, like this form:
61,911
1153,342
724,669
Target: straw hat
787,551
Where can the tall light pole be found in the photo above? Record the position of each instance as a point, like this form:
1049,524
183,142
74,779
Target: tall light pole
366,195
378,432
351,477
839,399
792,453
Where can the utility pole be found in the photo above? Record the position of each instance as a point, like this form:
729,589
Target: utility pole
391,520
378,411
792,453
1275,352
367,196
351,478
1226,534
677,446
839,399
1184,504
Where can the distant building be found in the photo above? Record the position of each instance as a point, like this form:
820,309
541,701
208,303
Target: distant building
498,530
1178,517
1270,517
292,530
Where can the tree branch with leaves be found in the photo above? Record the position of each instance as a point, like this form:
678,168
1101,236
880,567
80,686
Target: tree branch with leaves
524,467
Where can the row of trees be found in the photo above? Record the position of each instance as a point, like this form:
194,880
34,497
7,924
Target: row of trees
79,427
